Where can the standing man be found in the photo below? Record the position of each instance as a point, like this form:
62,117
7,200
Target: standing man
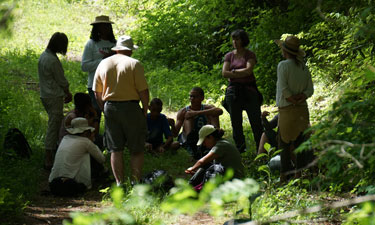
119,84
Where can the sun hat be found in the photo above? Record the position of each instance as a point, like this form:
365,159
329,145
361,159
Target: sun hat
101,19
79,125
291,45
125,43
204,132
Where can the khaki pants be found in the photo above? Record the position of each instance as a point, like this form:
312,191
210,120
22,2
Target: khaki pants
54,108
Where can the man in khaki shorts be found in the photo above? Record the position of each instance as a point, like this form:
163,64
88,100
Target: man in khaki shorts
119,84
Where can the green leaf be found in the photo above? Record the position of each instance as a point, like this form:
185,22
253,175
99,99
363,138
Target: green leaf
261,155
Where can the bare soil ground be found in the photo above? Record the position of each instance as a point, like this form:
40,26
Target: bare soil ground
46,209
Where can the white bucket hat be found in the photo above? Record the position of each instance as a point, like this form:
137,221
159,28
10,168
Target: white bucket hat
204,132
79,125
125,43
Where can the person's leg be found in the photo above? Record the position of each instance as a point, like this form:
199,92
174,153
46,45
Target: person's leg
66,187
135,129
235,111
54,109
285,157
263,140
254,114
115,138
136,165
175,146
117,164
214,120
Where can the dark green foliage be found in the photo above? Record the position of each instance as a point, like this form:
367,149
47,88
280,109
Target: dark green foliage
345,135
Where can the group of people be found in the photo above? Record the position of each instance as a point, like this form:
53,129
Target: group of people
116,87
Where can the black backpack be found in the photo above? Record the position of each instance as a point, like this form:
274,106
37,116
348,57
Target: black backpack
15,143
159,180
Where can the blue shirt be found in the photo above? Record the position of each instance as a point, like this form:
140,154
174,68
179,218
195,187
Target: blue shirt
156,129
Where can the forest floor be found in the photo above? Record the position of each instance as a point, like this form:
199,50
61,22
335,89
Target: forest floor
46,208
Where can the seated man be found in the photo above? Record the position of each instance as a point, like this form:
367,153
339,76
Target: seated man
71,173
158,124
191,118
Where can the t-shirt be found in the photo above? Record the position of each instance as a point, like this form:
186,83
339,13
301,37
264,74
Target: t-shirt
229,157
156,129
72,159
93,55
240,63
120,78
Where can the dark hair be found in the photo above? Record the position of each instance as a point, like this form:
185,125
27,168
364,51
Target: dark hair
157,102
217,134
199,90
82,101
58,43
242,35
95,34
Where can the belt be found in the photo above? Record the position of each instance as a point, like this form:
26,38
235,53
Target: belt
128,101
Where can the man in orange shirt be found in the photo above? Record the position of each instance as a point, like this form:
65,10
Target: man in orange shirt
119,85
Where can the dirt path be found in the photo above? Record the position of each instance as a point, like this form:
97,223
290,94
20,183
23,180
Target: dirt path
48,209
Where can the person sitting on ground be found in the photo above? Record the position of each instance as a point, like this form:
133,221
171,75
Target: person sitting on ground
158,124
71,173
83,108
191,118
269,135
221,151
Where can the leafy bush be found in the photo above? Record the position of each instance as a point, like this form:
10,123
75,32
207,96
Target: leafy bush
345,135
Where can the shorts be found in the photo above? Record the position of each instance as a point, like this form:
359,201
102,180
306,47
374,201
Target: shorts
125,125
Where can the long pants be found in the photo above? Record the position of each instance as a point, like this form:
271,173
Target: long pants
248,101
54,108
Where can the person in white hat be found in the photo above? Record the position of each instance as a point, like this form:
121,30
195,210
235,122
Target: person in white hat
119,85
294,86
97,48
71,171
221,151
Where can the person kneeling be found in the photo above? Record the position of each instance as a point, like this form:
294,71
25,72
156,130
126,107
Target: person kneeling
71,173
221,152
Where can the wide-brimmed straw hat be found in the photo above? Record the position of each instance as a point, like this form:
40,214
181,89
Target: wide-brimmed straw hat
125,43
101,19
291,45
204,132
79,125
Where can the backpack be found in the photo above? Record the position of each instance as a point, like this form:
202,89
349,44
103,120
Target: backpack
15,143
159,180
203,175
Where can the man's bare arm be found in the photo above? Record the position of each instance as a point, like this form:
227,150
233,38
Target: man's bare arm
145,98
99,100
179,121
209,110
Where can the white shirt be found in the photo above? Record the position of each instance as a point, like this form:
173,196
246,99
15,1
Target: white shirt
292,79
72,159
93,55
